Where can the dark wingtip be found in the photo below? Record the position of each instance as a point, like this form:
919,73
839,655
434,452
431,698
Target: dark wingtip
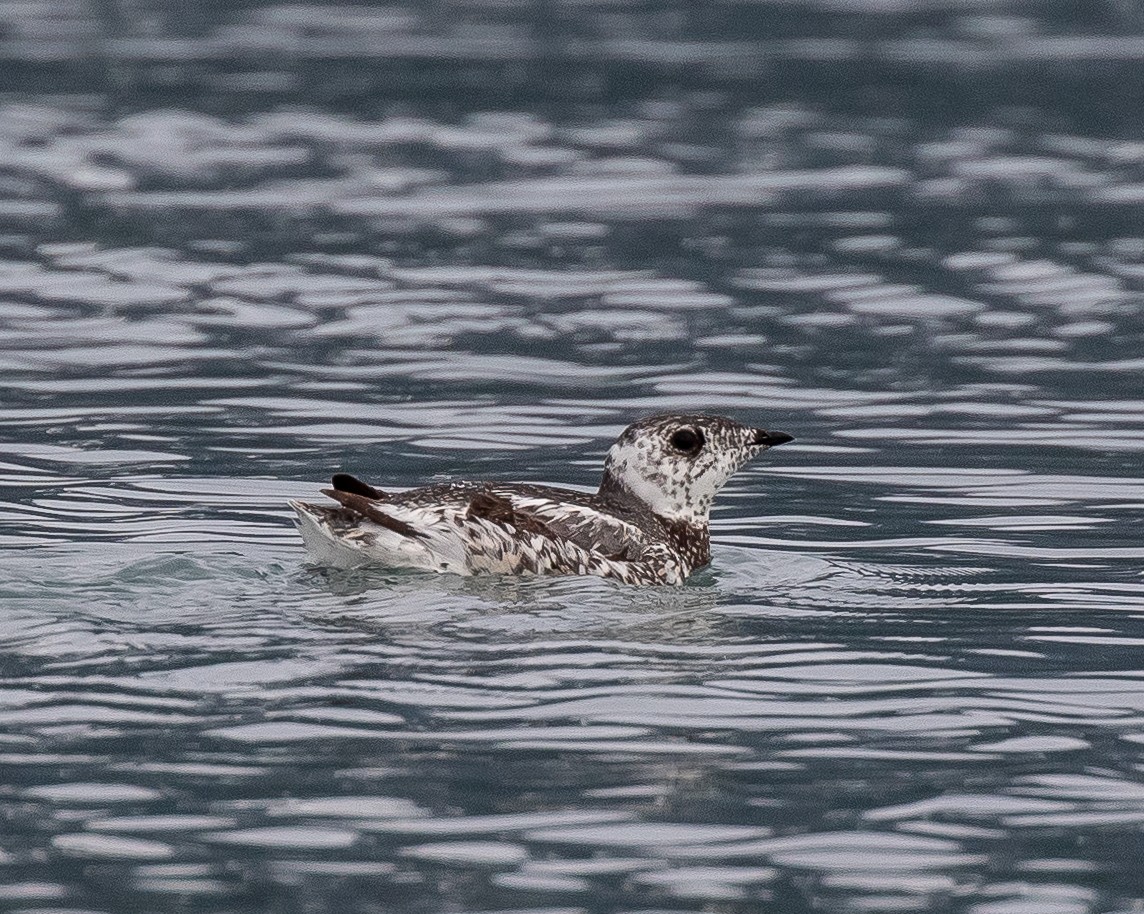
364,505
771,439
344,482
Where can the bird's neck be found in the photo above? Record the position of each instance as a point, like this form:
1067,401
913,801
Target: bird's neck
691,540
688,535
614,492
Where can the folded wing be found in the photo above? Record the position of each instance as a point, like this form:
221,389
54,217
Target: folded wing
484,530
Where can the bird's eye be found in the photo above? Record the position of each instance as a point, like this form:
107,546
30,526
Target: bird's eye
687,440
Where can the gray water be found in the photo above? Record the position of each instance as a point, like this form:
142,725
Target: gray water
245,247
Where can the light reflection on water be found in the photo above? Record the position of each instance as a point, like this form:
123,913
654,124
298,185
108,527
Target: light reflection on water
910,679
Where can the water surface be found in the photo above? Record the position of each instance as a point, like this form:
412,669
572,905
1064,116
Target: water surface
251,247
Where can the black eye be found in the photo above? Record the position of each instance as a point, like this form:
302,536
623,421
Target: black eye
687,440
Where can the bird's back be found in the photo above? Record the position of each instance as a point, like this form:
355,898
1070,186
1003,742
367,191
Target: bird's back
471,528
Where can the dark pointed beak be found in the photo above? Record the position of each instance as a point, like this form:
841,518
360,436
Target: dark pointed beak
771,439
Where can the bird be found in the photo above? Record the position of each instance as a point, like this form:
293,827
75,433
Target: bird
647,524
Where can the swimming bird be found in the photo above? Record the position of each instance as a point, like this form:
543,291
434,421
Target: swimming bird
647,524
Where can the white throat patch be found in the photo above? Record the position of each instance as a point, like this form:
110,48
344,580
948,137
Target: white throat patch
672,485
629,463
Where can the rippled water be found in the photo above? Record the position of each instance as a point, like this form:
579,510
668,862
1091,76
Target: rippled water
244,249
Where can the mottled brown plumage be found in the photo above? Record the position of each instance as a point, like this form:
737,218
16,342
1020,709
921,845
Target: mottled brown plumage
647,523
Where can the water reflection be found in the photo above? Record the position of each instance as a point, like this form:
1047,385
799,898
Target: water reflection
403,241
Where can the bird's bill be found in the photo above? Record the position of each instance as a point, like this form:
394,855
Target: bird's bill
771,439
